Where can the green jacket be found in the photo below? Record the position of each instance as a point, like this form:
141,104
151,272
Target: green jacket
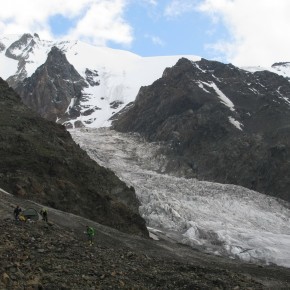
90,231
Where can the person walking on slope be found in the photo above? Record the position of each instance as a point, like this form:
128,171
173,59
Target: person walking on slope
43,213
17,212
90,234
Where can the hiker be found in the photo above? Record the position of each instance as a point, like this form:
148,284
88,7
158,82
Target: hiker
90,234
43,213
17,211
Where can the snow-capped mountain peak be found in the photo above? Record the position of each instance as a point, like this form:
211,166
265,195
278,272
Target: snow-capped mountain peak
113,77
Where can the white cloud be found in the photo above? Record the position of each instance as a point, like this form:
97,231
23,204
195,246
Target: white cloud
178,7
156,40
258,30
103,22
97,21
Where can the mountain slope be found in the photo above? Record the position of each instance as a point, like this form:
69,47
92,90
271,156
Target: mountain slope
40,161
219,123
57,256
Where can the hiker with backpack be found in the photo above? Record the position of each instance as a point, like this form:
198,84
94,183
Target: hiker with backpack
17,212
90,234
43,213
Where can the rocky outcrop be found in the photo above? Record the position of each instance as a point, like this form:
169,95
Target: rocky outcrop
92,77
218,123
40,161
20,51
20,48
54,88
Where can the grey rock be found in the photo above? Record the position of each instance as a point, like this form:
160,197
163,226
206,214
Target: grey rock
189,110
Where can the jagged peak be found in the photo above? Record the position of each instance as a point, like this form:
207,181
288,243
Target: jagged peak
36,35
57,56
182,61
25,37
56,50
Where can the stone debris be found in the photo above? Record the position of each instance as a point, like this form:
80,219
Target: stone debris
36,257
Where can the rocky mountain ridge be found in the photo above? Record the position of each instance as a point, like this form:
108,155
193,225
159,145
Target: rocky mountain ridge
54,88
107,80
40,161
218,123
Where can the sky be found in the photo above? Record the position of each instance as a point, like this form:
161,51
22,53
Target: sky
241,32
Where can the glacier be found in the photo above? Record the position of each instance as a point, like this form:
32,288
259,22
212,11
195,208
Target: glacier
220,219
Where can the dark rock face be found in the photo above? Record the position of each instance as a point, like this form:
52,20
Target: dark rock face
91,77
116,104
218,123
40,161
53,87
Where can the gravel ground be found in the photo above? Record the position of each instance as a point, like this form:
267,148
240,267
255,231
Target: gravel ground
56,255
